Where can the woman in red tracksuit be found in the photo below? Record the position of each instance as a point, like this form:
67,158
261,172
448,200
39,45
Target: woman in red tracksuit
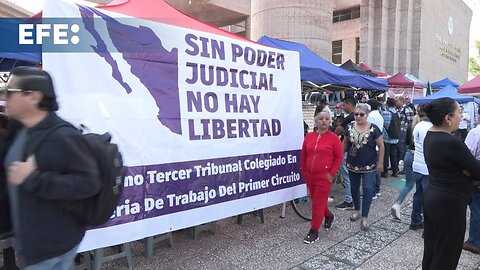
322,154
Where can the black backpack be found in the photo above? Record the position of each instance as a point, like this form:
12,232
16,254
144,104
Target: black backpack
98,209
394,128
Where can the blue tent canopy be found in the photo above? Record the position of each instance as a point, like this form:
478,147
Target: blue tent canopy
29,57
444,82
316,69
10,60
447,91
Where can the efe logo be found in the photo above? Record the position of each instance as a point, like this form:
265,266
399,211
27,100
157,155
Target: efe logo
59,31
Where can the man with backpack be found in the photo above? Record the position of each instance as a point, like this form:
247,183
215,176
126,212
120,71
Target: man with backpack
406,118
391,135
48,170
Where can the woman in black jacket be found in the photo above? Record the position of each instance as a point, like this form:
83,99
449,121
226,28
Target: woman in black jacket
450,165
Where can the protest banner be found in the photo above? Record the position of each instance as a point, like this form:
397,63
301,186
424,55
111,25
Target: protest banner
209,126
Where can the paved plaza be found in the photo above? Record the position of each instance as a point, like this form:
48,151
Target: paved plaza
277,244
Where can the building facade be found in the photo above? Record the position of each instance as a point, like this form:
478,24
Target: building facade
426,38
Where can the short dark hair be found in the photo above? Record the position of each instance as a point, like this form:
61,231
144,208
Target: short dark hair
438,108
350,100
421,110
390,102
34,79
374,104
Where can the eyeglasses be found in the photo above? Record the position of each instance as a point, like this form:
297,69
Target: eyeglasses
359,114
9,91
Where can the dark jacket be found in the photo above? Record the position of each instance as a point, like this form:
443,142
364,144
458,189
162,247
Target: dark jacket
5,219
67,171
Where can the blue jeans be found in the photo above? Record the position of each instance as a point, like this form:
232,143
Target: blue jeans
421,184
409,183
378,183
62,262
368,186
474,233
346,179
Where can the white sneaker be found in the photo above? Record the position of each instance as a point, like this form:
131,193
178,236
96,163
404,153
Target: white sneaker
330,199
395,211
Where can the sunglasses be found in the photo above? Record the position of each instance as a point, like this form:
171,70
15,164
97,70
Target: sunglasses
9,91
359,114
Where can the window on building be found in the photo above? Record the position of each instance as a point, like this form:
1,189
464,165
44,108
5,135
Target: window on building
337,52
346,14
357,52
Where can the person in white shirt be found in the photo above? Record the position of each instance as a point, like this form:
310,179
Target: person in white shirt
420,173
463,127
408,164
473,242
376,118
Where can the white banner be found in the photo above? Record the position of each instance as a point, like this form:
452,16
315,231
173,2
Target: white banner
209,126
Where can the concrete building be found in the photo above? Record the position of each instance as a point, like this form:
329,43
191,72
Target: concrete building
426,38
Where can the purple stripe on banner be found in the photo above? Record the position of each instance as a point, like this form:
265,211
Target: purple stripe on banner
156,190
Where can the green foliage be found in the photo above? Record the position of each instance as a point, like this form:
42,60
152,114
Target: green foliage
474,62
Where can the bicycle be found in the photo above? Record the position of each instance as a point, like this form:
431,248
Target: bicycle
303,206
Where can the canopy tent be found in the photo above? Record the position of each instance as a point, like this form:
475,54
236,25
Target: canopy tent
367,68
444,82
316,69
10,60
399,80
471,87
349,65
161,11
7,64
447,91
415,79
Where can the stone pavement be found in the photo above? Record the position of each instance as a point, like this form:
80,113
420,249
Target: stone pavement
277,244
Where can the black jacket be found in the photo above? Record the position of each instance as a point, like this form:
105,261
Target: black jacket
67,171
5,219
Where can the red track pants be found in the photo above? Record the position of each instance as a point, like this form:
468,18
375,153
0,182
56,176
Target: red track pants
319,188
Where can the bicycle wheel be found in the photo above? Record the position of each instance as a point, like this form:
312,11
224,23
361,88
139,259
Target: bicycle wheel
303,207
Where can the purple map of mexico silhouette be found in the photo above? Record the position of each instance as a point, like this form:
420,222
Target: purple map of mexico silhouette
155,66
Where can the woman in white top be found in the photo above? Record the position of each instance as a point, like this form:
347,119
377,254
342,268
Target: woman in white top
420,173
463,127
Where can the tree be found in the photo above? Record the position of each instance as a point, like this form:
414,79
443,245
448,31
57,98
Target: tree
474,62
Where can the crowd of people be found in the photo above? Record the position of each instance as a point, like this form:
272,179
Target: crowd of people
437,155
360,141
